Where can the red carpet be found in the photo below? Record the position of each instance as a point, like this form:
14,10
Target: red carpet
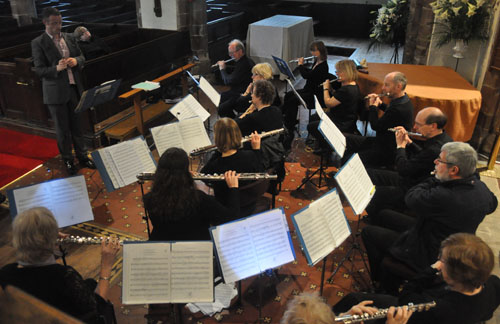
20,153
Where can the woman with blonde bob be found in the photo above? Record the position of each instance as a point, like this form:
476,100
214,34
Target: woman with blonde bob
34,235
308,308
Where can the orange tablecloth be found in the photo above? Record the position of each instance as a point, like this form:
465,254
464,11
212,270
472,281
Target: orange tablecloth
435,86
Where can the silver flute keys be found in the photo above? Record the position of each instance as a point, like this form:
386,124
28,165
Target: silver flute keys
409,133
310,58
382,313
226,61
210,148
86,240
216,177
380,95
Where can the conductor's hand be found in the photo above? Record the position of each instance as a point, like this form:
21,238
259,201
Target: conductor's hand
402,138
301,61
326,84
255,140
71,61
222,65
61,65
399,315
109,249
231,179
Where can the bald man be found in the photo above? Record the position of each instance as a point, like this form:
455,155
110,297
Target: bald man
414,161
381,150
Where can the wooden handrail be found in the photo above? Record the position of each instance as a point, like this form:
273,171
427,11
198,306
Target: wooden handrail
135,94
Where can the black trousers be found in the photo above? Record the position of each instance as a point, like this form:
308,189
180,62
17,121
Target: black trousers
368,152
227,102
68,127
291,106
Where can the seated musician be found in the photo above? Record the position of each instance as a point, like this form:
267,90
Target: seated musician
414,162
178,211
343,105
230,156
311,309
314,76
265,117
34,235
261,71
239,78
454,201
381,150
90,45
460,283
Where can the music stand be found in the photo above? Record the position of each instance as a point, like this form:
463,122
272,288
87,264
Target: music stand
98,95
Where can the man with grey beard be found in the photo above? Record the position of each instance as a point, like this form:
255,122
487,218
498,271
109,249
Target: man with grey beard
455,200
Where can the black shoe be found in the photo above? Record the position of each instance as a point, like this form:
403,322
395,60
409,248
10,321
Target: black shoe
87,163
70,167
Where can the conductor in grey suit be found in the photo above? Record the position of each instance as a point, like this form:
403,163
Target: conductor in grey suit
58,62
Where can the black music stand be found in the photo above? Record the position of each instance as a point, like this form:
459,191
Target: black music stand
98,95
146,216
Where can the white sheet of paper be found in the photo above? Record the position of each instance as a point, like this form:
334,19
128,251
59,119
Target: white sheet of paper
167,136
356,184
189,107
187,134
319,109
333,135
210,91
66,198
252,245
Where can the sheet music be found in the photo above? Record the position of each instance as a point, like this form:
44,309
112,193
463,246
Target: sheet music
332,135
194,134
210,91
112,171
189,107
167,136
322,226
319,109
124,157
191,274
146,273
249,246
356,184
66,198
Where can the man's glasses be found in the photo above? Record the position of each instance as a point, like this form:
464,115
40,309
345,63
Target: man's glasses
444,162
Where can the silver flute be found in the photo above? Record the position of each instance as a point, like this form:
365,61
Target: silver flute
382,313
226,61
409,133
87,240
380,95
310,58
216,177
213,147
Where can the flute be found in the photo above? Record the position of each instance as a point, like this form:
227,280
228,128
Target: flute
331,81
409,133
216,177
380,95
210,148
226,61
310,58
382,313
87,240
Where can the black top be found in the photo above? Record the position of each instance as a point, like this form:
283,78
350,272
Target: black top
264,120
344,115
241,75
195,225
241,161
415,162
442,208
398,113
451,307
58,285
314,76
94,48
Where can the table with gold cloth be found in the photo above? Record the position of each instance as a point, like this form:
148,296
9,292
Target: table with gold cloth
435,86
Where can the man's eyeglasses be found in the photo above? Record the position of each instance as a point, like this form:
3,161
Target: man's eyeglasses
444,162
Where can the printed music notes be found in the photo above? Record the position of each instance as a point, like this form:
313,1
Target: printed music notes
210,91
167,272
251,245
189,107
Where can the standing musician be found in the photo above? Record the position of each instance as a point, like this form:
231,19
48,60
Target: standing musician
239,78
178,211
261,71
343,104
34,234
460,283
265,117
314,76
381,150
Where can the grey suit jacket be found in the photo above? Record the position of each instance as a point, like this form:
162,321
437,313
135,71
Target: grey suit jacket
55,84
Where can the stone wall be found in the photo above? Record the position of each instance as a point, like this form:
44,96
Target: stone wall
418,32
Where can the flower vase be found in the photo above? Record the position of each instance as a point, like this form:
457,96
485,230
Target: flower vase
459,49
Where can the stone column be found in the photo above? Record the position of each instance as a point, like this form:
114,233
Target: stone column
23,11
418,32
192,15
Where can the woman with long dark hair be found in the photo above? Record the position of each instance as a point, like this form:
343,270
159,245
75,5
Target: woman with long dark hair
179,211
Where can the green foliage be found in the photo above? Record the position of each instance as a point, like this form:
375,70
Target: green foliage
390,25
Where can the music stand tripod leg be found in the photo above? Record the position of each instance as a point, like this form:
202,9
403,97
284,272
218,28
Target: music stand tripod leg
146,216
309,177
